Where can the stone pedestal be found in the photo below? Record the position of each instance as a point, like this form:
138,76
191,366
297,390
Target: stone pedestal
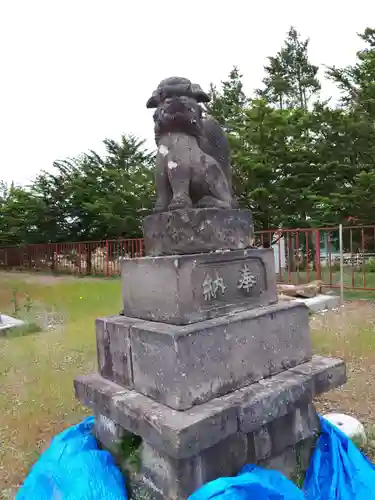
182,289
182,366
205,368
271,422
197,230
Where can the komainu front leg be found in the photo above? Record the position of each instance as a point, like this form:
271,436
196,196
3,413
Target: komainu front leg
163,189
179,179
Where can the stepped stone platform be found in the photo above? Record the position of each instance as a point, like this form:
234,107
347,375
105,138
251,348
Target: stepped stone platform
261,423
207,370
185,365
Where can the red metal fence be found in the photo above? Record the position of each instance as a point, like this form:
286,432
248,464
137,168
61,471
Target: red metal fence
87,258
301,255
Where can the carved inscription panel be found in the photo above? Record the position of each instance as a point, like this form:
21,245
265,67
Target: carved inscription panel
222,283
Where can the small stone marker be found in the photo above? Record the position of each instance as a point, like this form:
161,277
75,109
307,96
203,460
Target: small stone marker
7,323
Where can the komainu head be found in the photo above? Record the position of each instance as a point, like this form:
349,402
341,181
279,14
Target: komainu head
177,102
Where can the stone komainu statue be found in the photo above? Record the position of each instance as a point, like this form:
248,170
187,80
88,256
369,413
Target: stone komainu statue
192,163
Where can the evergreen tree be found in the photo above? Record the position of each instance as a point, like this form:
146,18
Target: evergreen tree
107,197
84,198
296,162
291,80
357,83
228,103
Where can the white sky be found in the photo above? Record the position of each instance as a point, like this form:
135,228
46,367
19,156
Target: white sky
74,72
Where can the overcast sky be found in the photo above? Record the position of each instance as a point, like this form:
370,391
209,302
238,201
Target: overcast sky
74,72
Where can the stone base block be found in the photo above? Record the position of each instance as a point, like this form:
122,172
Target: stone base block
270,423
109,434
190,288
289,462
185,434
177,479
197,230
278,445
182,366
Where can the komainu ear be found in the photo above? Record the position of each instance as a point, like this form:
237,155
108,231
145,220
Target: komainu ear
153,101
199,94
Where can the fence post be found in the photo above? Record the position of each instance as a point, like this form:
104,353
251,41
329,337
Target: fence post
107,258
79,258
317,254
341,265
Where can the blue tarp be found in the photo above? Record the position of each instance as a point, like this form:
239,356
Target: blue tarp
338,471
253,483
73,468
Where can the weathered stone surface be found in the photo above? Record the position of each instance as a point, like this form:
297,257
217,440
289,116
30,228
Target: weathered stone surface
172,478
179,434
293,460
113,348
304,451
327,373
196,230
298,425
191,288
259,444
186,434
140,488
185,365
182,366
277,397
286,462
108,433
178,479
192,166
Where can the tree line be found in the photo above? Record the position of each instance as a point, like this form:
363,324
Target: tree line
298,161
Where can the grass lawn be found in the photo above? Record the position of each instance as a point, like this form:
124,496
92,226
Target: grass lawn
37,371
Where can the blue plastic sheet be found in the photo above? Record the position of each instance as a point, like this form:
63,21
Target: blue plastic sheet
253,483
338,471
73,468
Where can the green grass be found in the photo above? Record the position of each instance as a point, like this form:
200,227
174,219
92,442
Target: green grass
367,448
37,371
22,330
